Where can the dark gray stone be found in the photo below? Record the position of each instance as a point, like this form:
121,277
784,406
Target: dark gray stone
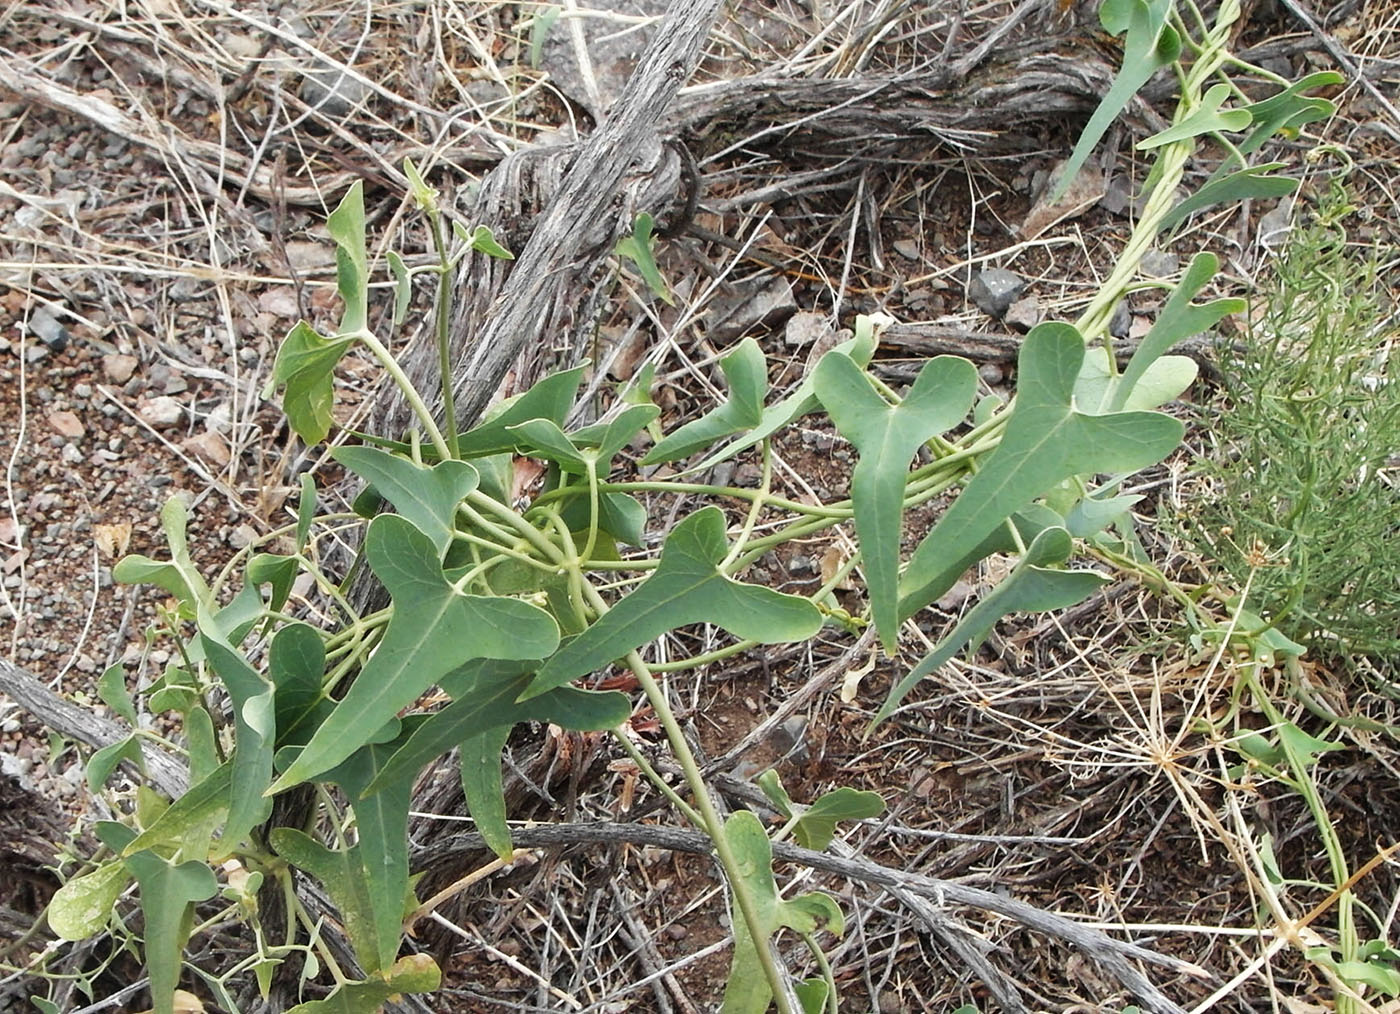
1159,263
1121,321
993,290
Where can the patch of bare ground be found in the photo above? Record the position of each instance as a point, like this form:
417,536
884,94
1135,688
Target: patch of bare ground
164,170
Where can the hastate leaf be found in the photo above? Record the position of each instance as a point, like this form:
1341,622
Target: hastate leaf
747,373
859,348
346,224
305,369
169,892
427,497
1179,319
1047,440
687,587
479,720
1033,586
747,990
550,398
433,630
381,822
887,437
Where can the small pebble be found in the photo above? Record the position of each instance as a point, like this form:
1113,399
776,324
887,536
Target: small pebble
162,412
993,290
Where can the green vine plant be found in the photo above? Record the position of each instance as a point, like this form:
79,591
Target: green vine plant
508,609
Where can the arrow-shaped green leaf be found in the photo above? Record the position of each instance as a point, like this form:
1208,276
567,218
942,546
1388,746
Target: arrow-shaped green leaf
433,631
887,438
1204,119
427,497
480,719
1179,319
1031,587
178,576
686,587
816,825
747,990
305,368
801,401
550,398
1150,45
1246,184
747,373
1047,440
169,892
381,822
413,973
637,249
346,224
342,875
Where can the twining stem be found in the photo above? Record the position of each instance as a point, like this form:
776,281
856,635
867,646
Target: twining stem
410,394
443,326
709,817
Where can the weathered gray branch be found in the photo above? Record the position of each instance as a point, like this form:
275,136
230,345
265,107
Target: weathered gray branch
1114,956
166,773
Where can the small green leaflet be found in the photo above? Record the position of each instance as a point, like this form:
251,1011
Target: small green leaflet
540,25
482,240
1205,119
747,990
1032,587
278,571
169,892
403,285
305,369
887,438
203,803
1151,45
84,905
803,400
686,587
816,825
747,373
111,688
413,973
342,875
424,196
427,497
346,224
1244,185
588,450
637,249
306,510
1047,440
103,762
433,631
179,576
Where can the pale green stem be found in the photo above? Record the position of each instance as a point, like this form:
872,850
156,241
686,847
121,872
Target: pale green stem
410,394
709,817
